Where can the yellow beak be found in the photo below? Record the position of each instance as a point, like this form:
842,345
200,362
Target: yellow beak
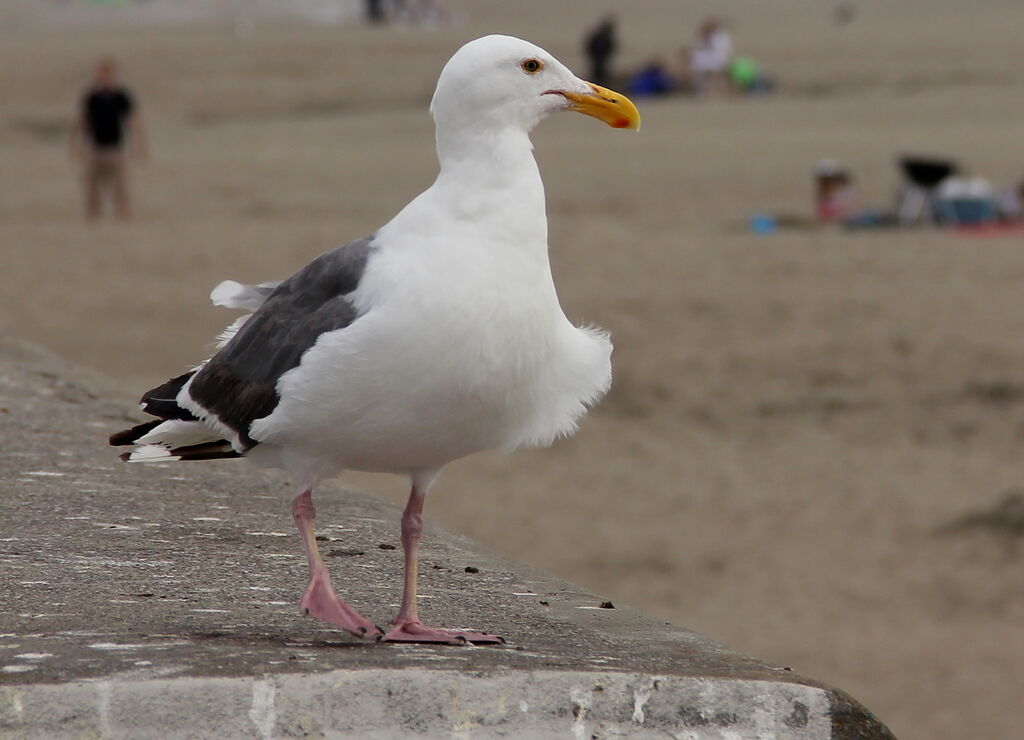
605,105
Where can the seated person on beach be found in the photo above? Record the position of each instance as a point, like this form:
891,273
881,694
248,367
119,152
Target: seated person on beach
835,199
834,196
653,79
746,76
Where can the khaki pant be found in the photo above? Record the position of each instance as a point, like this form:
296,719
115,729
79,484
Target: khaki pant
105,173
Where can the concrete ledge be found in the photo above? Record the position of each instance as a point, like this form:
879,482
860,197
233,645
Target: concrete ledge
388,703
159,601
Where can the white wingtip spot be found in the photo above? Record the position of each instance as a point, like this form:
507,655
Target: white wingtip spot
152,453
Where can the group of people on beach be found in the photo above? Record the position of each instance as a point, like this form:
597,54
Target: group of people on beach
709,67
108,130
932,191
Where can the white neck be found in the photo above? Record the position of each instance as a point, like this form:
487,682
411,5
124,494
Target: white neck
490,176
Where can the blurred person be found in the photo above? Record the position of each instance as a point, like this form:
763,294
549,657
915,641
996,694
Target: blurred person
835,199
107,119
600,46
375,11
834,196
652,79
711,55
746,77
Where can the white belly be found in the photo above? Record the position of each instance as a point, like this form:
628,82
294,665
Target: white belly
391,394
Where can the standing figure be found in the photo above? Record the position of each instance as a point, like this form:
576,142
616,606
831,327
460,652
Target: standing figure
107,118
712,53
375,11
600,47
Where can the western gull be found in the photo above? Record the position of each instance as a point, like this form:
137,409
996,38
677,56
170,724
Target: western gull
438,336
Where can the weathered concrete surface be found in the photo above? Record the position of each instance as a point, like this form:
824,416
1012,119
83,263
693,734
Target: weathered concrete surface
159,601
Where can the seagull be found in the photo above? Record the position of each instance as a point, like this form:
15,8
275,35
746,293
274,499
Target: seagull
438,336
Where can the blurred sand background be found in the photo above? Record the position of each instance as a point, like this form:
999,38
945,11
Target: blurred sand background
798,422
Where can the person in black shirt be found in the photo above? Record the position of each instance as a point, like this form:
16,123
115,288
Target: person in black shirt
107,120
600,47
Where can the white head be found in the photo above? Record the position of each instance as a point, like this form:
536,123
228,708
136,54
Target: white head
505,82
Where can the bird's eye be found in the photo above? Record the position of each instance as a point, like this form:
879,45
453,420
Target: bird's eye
531,66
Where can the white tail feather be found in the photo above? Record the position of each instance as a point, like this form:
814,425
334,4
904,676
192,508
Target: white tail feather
152,453
232,294
175,433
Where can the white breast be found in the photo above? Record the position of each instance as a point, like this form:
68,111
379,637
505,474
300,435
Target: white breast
458,351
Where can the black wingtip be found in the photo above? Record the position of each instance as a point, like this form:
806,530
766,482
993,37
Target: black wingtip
161,401
128,436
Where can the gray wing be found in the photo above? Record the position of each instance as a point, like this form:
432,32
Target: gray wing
239,384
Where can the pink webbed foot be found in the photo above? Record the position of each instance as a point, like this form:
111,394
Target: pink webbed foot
322,602
416,631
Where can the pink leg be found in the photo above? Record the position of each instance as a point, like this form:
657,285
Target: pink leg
406,626
320,600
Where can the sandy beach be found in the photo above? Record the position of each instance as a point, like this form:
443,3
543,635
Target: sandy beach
812,449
